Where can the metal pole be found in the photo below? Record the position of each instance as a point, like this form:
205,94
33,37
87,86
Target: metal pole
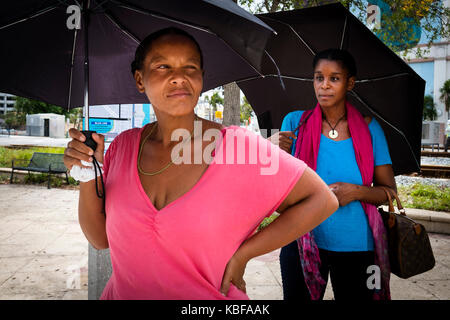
99,261
86,63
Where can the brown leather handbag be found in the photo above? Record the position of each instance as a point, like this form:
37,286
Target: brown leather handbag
410,251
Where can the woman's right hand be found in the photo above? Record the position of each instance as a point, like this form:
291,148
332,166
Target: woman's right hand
282,139
76,149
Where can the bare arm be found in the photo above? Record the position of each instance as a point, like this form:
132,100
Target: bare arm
90,208
309,203
282,140
347,192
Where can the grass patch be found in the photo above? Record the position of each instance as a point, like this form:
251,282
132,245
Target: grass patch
55,180
421,196
267,221
8,154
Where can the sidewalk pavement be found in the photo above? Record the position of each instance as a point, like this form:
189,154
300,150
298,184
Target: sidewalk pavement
44,254
18,140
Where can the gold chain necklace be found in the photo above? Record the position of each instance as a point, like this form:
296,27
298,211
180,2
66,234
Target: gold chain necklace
142,146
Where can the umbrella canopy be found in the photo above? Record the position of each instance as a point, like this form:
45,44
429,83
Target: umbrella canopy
45,60
386,87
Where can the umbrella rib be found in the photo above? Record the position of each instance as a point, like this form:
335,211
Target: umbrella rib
387,122
143,11
278,70
343,32
122,28
295,32
100,5
307,79
43,11
383,78
249,79
115,21
274,76
71,69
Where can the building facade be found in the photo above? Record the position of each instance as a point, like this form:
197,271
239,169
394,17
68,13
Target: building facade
6,102
433,65
434,68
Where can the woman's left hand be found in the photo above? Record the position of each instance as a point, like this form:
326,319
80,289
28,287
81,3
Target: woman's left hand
345,192
234,273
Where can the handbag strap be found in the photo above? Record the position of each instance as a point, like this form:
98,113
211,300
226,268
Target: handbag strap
391,192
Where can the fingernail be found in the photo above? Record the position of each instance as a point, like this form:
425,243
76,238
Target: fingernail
90,159
91,152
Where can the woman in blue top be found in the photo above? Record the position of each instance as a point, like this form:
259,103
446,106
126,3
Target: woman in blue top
345,241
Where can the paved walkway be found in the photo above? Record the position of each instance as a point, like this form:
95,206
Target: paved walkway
43,253
17,140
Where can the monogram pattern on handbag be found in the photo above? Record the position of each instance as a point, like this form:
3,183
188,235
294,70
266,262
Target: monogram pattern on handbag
410,251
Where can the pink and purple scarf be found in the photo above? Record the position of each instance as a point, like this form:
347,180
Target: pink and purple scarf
307,149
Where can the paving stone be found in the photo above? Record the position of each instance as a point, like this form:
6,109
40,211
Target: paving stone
273,292
43,254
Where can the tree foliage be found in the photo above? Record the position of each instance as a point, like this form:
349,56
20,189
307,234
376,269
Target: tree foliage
24,106
30,106
429,110
401,23
246,110
14,119
215,100
445,94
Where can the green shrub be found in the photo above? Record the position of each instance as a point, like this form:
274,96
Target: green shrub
8,154
429,197
267,221
425,191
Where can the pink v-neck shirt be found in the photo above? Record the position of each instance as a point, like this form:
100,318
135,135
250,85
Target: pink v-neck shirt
181,251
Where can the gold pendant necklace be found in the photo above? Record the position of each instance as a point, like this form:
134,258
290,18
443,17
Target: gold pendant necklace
142,146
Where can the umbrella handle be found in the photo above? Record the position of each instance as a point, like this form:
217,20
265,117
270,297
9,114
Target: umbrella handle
302,122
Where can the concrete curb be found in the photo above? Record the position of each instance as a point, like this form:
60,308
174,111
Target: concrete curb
433,221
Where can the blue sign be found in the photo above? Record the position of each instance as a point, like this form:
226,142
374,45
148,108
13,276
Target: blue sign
100,125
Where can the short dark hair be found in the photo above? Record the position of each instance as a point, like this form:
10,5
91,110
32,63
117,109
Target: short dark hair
145,46
340,55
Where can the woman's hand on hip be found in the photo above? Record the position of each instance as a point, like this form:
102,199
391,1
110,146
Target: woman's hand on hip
282,139
234,273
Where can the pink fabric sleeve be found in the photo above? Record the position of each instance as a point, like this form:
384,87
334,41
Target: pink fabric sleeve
279,179
260,188
107,158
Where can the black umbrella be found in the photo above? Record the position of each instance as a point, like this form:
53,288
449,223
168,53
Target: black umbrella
387,88
43,59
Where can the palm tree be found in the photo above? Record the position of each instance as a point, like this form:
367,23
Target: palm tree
445,94
429,111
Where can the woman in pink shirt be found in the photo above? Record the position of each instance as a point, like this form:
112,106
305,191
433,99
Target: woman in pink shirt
186,229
